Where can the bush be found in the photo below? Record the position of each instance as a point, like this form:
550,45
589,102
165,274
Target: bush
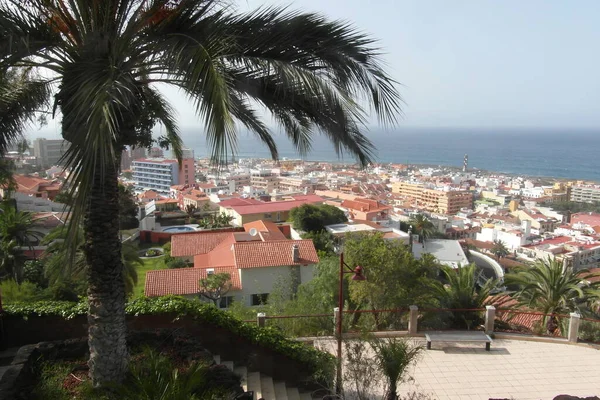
33,272
589,331
320,363
177,263
12,292
153,253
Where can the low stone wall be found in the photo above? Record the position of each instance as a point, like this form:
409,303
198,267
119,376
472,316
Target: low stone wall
20,332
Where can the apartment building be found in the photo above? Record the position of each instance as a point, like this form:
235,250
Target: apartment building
295,184
437,200
48,152
237,182
585,194
264,181
160,174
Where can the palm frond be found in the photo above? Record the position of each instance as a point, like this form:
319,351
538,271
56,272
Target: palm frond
21,97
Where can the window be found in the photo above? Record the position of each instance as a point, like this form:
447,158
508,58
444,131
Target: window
259,299
225,301
267,215
210,271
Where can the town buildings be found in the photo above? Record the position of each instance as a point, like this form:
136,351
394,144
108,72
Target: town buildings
256,258
444,201
160,174
48,152
243,211
585,193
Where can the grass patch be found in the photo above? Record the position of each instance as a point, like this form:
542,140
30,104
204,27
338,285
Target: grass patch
149,264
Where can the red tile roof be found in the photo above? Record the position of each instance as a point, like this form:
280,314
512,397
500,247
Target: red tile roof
189,244
360,204
271,206
275,253
183,280
258,254
267,229
239,202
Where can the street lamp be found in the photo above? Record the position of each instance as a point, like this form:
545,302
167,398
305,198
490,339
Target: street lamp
358,276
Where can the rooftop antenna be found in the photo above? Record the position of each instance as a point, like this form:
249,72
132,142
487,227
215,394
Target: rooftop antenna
465,162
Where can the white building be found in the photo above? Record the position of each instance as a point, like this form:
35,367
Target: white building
48,152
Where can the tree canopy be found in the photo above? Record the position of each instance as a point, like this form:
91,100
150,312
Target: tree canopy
315,217
101,64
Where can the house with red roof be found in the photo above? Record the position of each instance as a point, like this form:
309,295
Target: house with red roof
256,258
34,187
248,210
366,209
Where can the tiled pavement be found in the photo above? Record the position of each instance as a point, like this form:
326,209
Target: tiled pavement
513,369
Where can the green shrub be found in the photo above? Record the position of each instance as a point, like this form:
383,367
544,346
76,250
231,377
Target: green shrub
155,376
589,331
320,363
177,263
12,292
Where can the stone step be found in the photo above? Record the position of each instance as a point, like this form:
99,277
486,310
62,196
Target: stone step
228,364
280,390
266,385
293,394
254,384
243,373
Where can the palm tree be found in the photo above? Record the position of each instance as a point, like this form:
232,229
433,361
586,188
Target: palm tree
393,356
465,290
7,180
547,286
422,226
499,249
59,266
16,231
104,60
12,260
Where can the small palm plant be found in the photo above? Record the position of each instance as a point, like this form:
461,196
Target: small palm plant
155,377
393,357
466,290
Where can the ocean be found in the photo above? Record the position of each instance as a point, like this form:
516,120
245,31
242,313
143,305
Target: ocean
560,153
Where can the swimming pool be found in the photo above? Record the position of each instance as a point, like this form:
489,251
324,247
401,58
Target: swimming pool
179,229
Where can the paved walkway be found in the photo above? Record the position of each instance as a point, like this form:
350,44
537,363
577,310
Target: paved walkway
513,369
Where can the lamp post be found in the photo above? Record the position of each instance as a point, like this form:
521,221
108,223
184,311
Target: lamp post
358,276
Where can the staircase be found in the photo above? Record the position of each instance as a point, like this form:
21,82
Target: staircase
263,386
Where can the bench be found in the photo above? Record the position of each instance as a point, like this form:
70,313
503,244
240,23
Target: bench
471,336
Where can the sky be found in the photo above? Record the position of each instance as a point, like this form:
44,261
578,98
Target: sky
474,63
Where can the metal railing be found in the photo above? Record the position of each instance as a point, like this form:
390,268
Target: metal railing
414,320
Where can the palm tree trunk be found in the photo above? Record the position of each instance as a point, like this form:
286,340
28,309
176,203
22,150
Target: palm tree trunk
106,290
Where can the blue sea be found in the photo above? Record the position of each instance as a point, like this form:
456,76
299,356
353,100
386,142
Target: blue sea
561,153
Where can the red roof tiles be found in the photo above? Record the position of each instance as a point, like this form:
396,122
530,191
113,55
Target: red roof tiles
275,253
183,281
189,244
271,206
258,254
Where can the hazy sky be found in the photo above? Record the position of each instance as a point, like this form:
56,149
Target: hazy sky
477,63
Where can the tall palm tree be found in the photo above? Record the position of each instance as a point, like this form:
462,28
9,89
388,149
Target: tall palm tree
103,59
465,290
499,249
547,286
422,226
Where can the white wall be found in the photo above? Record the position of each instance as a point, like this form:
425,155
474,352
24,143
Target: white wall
264,279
